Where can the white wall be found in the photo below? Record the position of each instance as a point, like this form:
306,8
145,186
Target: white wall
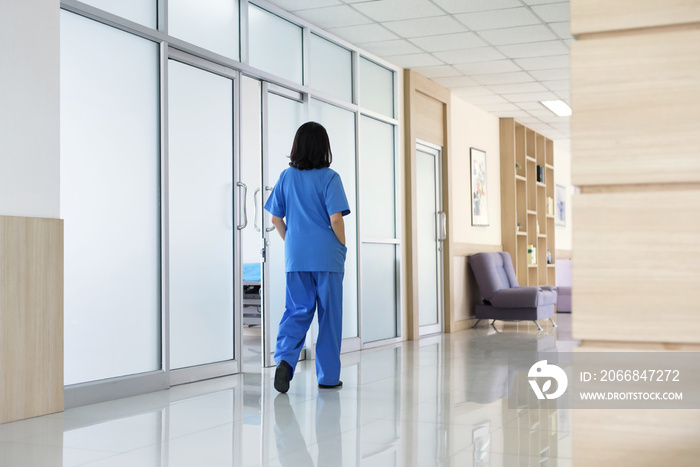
29,109
562,176
474,128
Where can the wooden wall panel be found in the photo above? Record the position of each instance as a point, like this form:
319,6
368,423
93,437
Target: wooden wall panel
637,114
31,317
429,115
588,16
637,271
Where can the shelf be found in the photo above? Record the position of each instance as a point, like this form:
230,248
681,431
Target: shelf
551,265
531,212
521,178
550,216
531,265
531,159
549,166
542,236
540,184
521,233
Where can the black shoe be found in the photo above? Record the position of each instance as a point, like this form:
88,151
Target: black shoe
283,374
331,386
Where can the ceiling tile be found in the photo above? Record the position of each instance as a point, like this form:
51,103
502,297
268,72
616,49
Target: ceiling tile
395,10
460,6
497,19
543,112
530,96
465,40
504,78
294,5
518,35
530,105
487,99
455,81
333,17
555,74
481,68
364,33
441,71
413,60
535,49
386,48
466,93
562,29
518,88
557,85
544,63
553,12
500,107
456,57
541,2
433,26
507,113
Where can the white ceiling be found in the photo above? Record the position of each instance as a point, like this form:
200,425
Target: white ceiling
503,56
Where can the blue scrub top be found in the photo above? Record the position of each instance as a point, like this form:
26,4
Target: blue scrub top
306,199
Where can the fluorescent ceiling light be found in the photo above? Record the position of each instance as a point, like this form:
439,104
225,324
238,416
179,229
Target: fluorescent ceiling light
559,107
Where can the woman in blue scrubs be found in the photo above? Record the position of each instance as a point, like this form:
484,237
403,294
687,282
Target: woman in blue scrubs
307,207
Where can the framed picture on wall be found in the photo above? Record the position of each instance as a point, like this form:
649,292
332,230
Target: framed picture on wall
479,194
560,205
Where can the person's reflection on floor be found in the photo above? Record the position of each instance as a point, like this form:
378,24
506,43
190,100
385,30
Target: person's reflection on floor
291,445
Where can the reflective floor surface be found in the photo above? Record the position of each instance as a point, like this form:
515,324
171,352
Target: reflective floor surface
440,401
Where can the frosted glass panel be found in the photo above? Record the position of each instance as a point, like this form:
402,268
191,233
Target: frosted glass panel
110,181
211,24
275,44
285,116
378,292
427,238
340,125
376,88
139,11
377,197
330,68
201,216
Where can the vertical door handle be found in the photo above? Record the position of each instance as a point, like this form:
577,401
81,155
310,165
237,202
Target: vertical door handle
245,211
442,223
269,229
255,215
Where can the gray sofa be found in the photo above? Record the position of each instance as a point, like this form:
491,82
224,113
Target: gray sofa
504,299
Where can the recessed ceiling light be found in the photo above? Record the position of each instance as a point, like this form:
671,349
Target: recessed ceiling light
559,107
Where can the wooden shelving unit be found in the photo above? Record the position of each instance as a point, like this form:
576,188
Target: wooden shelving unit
524,201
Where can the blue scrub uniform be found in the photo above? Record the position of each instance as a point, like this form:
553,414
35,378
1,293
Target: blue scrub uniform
315,265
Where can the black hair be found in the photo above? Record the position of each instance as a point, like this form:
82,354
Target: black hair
311,148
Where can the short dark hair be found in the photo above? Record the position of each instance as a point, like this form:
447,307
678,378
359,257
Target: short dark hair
311,148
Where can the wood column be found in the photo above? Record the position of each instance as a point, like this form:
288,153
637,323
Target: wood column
635,129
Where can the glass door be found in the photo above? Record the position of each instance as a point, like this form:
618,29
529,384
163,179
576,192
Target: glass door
201,222
431,232
283,112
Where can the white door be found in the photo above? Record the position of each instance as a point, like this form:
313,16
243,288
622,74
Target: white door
430,235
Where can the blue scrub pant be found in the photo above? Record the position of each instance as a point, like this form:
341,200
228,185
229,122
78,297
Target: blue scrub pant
305,291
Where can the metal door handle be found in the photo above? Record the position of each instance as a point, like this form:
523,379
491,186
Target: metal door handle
269,229
255,203
443,226
245,211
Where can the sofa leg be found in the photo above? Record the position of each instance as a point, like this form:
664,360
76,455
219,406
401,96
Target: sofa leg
493,325
553,323
537,324
477,322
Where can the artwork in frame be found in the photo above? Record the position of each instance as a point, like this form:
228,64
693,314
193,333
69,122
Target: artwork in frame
479,194
560,205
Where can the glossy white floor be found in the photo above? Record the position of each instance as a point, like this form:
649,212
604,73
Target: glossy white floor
441,401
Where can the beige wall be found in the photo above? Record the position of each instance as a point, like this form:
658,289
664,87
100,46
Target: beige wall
474,128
